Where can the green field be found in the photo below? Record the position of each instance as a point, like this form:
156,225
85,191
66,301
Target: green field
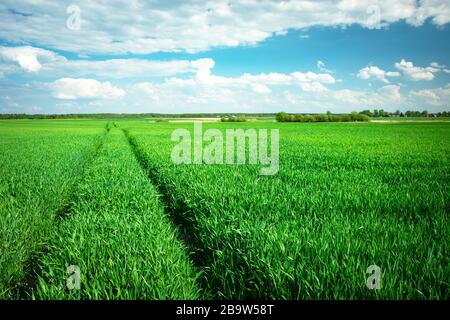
105,196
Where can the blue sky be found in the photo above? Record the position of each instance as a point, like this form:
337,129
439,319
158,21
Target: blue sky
224,56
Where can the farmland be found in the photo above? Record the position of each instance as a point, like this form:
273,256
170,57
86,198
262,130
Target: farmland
106,197
39,163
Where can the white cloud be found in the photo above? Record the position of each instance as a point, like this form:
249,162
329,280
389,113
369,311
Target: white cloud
377,73
48,63
246,92
119,68
322,68
436,67
312,82
411,71
388,96
432,97
307,81
187,95
259,88
149,89
352,97
203,67
415,73
272,78
427,94
437,10
311,77
391,92
69,88
312,86
129,26
27,57
347,100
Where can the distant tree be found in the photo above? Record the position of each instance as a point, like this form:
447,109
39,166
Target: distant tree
281,116
288,118
344,118
323,118
355,116
233,119
309,118
367,113
413,113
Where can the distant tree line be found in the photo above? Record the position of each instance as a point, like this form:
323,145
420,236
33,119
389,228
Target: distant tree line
364,115
377,113
328,117
237,117
233,119
128,115
67,116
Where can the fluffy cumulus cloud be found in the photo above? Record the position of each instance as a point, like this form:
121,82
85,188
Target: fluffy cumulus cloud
193,26
272,78
121,68
420,73
69,88
377,73
413,72
407,68
313,82
260,88
99,64
432,97
351,97
82,85
203,67
437,10
388,96
391,92
245,93
345,100
46,62
205,87
27,57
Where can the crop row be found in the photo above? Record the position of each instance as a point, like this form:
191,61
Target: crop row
116,237
346,197
38,165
